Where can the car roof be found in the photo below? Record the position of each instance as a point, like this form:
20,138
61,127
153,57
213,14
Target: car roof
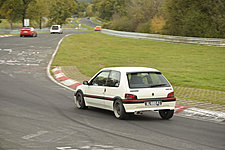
131,69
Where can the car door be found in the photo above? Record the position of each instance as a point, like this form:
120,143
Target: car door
112,88
95,91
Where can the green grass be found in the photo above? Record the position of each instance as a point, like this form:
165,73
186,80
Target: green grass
96,21
184,65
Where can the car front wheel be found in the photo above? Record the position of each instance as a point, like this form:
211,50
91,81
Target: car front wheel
166,114
119,110
79,101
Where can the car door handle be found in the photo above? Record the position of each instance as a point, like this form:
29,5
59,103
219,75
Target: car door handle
104,90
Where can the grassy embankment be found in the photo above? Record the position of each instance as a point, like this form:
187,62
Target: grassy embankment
6,25
96,21
197,66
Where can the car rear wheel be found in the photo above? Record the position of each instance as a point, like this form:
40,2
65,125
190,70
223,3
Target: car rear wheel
79,101
119,110
166,114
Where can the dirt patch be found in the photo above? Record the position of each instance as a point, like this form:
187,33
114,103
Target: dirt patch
73,73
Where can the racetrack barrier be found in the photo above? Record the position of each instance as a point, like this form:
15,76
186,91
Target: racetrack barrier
167,38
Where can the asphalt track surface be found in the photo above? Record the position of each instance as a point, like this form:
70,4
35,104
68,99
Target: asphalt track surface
38,114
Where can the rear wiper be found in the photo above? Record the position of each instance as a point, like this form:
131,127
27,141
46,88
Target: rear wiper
158,85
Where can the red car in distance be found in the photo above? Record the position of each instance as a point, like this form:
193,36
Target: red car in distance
28,31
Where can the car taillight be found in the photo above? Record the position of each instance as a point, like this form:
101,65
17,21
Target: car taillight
130,96
170,94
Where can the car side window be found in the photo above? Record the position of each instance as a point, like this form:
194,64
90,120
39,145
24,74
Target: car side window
100,79
114,79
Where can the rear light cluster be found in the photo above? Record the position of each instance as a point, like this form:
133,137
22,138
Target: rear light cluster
130,96
170,94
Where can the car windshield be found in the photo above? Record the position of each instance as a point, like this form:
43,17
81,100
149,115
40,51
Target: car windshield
55,28
147,80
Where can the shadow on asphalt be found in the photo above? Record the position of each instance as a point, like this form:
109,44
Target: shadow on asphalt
96,112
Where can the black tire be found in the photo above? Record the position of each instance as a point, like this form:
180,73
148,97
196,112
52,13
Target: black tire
166,114
21,36
119,110
79,101
36,35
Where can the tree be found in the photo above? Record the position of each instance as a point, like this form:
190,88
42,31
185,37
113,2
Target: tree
60,10
106,8
37,10
81,10
11,9
24,7
195,18
141,12
89,10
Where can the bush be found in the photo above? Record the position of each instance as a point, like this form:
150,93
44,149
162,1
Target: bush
143,27
120,23
157,24
106,25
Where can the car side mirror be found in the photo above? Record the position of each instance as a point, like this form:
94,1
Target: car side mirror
85,83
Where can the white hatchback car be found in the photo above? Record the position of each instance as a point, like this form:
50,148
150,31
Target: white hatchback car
56,29
125,90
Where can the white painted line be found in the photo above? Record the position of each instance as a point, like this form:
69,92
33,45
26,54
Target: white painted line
8,50
32,64
12,61
27,137
5,35
63,148
50,63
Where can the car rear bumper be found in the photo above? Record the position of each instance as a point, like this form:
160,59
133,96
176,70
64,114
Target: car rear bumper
136,107
55,31
26,34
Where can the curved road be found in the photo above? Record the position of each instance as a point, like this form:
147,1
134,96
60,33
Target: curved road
37,114
88,22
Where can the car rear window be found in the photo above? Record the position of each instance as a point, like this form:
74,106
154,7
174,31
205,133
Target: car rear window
55,27
147,80
26,29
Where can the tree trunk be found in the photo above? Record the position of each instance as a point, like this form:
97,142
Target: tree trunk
23,17
11,22
40,22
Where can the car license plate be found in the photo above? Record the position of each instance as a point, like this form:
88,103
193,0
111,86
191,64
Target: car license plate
25,31
153,103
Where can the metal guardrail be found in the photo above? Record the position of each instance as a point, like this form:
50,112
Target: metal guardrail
17,31
168,38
